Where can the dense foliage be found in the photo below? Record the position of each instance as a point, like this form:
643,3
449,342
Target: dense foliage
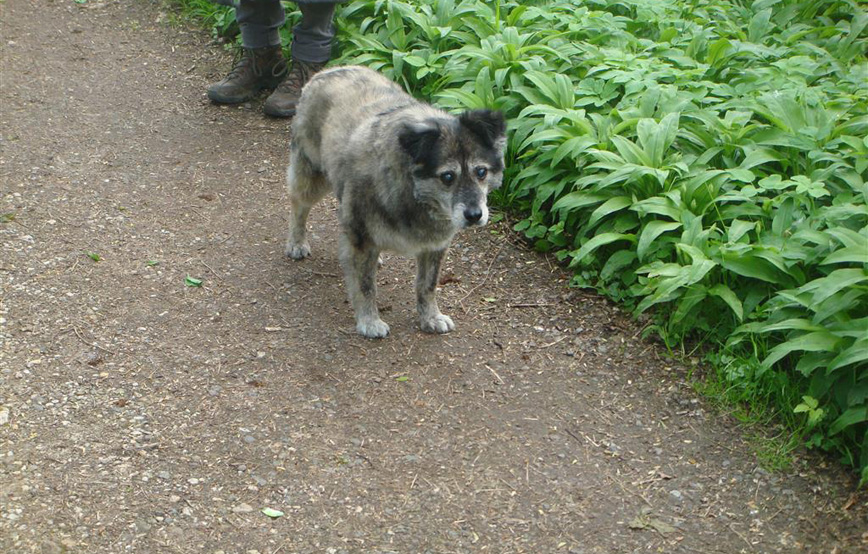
702,161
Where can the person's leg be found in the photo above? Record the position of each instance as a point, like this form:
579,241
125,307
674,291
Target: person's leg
311,49
312,37
261,64
260,21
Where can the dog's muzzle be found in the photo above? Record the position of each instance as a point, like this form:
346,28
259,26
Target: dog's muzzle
464,216
472,215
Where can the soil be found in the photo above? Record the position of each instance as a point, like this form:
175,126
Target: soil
141,414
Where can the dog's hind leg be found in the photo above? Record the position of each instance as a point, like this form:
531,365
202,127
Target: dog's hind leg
427,272
306,187
360,271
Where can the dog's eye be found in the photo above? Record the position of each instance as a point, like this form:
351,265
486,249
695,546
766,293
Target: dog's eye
481,172
447,177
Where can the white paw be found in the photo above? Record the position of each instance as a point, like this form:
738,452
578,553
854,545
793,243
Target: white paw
437,324
372,328
298,251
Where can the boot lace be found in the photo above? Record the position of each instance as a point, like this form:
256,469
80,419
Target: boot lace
244,65
298,76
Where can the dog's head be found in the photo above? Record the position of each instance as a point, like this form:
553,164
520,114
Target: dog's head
455,162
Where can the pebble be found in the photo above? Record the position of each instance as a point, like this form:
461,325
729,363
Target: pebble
243,508
142,526
676,495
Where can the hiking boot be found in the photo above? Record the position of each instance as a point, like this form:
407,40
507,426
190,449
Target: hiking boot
282,101
257,69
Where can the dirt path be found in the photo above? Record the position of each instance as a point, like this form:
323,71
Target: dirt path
148,416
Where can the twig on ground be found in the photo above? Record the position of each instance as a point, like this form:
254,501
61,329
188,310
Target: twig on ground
91,344
487,275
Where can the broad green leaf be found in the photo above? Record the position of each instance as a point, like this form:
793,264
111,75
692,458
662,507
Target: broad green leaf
752,266
738,228
658,205
810,361
848,418
742,175
573,148
631,152
655,138
838,303
609,206
849,238
759,156
598,241
578,199
650,232
791,324
810,402
837,280
725,293
759,25
717,51
616,262
678,284
854,255
855,354
817,341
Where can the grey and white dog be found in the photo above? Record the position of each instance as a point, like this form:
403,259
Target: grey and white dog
407,177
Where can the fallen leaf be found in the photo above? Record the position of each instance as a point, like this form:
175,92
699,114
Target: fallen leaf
655,524
272,513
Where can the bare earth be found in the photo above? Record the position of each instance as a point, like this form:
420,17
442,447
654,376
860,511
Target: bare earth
138,414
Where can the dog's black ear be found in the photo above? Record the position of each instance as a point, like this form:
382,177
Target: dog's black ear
488,125
418,138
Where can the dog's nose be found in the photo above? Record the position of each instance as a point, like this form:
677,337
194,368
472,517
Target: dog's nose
472,215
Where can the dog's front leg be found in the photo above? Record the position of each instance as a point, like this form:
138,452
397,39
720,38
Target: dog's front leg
427,273
360,271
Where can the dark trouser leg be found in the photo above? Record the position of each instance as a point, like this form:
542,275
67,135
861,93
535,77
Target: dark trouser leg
312,38
311,48
262,65
259,21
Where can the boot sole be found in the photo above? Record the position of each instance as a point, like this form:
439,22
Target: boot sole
217,97
277,112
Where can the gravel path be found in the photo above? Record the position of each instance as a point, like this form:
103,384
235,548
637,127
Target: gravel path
138,414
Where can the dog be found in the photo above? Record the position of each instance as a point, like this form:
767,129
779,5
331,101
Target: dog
407,177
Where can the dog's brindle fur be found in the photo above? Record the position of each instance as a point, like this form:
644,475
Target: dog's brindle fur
389,159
